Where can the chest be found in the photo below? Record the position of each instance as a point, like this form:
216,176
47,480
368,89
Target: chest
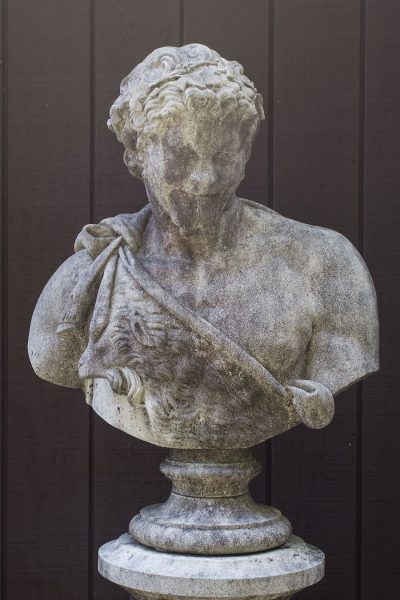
264,306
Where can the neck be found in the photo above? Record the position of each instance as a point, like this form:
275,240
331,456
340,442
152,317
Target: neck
196,234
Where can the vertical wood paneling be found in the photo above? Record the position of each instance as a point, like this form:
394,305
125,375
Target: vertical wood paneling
125,471
72,482
240,33
380,554
48,201
3,349
316,175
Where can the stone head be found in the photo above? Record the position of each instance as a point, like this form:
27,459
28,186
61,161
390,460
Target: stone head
187,118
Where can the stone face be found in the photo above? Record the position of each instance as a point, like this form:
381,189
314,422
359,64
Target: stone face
149,574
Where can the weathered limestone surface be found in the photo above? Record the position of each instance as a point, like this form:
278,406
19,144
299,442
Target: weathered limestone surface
210,510
149,574
205,320
205,323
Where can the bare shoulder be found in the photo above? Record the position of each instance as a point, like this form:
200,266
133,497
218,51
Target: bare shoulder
69,271
345,341
311,248
53,357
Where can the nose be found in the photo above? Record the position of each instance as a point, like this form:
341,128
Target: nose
203,178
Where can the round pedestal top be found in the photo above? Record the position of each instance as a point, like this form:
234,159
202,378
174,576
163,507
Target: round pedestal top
276,573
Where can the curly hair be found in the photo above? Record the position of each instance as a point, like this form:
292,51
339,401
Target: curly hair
172,78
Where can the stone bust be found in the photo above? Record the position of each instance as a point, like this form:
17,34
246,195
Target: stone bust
205,320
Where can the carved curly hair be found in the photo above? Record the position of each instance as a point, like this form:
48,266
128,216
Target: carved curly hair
170,79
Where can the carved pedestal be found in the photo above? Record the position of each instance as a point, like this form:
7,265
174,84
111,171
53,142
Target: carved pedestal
210,510
149,574
210,539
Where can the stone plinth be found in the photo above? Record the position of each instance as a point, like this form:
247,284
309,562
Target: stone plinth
149,574
210,510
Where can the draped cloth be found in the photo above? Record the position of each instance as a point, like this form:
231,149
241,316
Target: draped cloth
102,242
118,239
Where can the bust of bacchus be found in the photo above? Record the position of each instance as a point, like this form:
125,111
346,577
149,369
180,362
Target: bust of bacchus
205,320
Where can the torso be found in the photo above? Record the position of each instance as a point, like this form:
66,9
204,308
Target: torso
269,292
258,292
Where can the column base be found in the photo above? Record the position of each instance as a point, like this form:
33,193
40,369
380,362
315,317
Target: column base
149,574
210,510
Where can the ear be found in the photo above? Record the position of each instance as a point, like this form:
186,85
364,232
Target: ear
259,106
249,129
130,160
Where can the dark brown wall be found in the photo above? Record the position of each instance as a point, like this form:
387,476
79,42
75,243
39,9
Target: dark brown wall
329,154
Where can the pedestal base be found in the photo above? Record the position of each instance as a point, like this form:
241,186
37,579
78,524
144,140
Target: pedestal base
210,510
149,574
